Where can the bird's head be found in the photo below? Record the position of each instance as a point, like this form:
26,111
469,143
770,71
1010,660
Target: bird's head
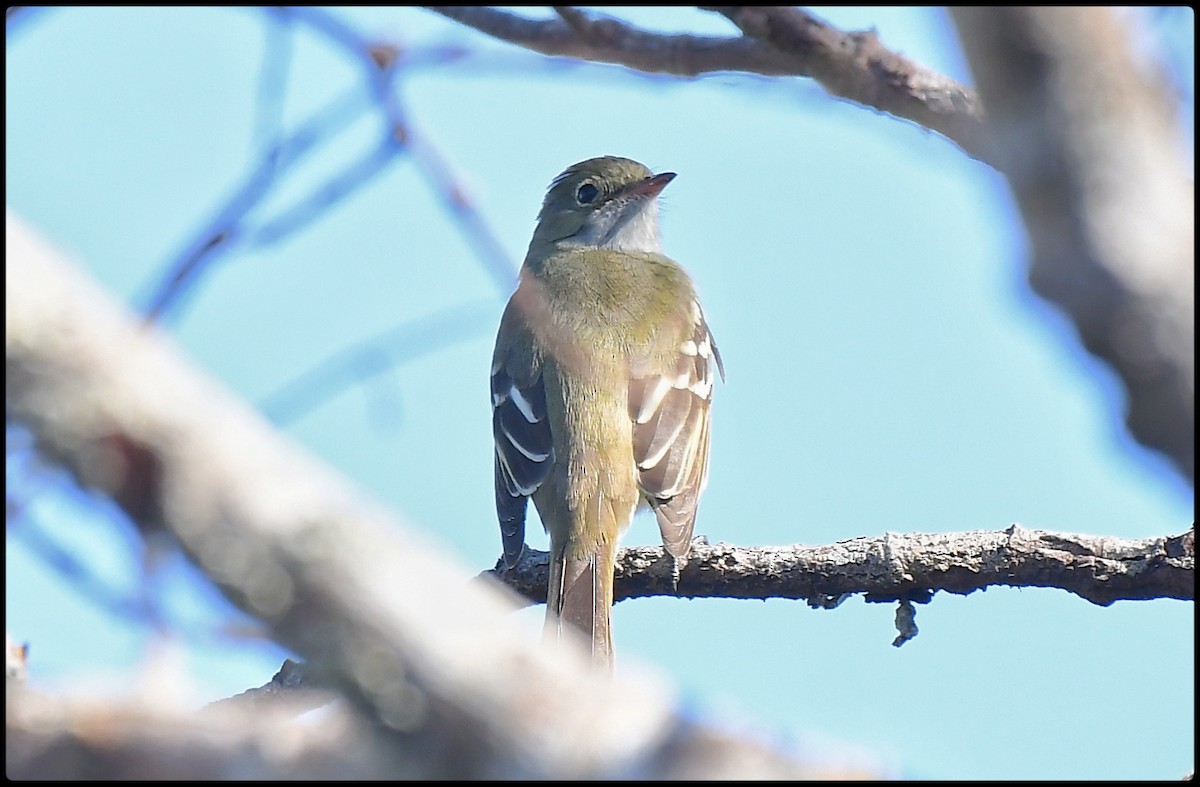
607,202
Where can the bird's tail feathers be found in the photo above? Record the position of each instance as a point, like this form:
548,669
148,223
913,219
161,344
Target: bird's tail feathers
580,596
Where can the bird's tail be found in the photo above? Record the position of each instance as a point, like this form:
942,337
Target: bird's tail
580,596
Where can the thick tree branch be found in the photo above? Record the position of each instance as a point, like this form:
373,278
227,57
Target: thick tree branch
857,66
777,42
609,40
69,739
62,739
900,566
1086,137
431,659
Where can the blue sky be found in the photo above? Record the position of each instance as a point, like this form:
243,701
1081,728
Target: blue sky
888,369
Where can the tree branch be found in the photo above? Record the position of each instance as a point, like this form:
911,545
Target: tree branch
777,42
609,40
899,567
68,739
1087,139
857,66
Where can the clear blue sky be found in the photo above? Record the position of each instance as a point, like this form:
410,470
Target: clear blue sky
888,369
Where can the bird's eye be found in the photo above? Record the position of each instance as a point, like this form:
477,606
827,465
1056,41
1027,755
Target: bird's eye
587,194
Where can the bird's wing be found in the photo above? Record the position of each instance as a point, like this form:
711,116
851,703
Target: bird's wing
670,412
524,448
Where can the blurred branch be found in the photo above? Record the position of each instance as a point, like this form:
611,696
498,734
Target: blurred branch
68,739
384,63
278,50
51,738
26,478
1086,137
231,218
79,575
372,356
433,661
381,63
777,41
895,566
457,201
322,198
139,603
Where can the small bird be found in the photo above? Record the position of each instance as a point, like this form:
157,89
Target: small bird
602,381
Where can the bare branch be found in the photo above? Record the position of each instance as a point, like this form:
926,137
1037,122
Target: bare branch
612,41
578,20
896,566
1087,140
778,41
857,66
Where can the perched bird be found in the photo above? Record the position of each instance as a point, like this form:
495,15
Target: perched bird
602,380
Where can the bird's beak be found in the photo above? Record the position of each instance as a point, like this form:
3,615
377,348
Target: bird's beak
650,187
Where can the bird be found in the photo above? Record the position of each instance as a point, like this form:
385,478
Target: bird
602,384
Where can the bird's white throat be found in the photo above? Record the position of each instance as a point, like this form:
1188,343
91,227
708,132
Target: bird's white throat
623,225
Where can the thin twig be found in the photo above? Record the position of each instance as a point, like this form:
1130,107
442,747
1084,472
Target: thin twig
374,355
